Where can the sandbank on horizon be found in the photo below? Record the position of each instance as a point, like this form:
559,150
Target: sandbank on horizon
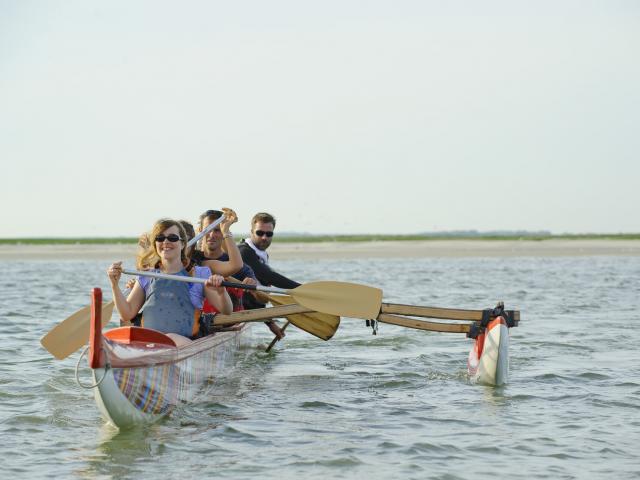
372,249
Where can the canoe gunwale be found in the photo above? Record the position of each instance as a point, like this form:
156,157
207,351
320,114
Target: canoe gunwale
147,354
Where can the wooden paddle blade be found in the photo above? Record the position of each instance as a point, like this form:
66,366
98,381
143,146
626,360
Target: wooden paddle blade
322,325
339,298
72,333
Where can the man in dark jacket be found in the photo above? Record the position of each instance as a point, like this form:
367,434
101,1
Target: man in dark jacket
254,253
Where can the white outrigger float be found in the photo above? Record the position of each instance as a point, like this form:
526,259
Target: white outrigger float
488,361
140,375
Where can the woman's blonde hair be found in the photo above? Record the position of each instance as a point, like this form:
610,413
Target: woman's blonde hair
149,257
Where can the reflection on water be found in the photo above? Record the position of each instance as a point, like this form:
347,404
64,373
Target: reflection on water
118,453
395,405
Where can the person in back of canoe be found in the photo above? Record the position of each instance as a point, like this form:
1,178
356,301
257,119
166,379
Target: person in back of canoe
219,245
212,249
197,258
188,229
254,253
169,306
229,263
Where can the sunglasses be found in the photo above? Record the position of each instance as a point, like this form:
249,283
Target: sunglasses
172,237
262,233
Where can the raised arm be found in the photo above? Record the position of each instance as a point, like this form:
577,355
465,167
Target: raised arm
235,259
127,307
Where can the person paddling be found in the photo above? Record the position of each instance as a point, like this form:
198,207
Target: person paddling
168,306
212,249
254,252
218,245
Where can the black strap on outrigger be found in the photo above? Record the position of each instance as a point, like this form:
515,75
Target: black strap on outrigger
489,314
374,326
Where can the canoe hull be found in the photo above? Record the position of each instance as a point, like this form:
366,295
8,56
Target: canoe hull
115,407
141,382
488,362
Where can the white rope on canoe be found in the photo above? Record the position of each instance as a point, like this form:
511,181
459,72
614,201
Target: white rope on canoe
88,387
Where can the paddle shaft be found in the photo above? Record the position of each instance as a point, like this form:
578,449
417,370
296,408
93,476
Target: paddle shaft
275,339
210,227
182,278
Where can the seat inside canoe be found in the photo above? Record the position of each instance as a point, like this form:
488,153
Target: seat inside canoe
129,335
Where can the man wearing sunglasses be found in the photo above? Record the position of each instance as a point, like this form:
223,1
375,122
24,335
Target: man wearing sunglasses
254,253
212,250
212,245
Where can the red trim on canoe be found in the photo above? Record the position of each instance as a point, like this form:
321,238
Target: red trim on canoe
95,329
480,340
128,335
496,321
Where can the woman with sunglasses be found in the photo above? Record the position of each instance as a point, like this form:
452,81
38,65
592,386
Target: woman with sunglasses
168,306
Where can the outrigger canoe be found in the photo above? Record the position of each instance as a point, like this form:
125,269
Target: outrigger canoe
140,375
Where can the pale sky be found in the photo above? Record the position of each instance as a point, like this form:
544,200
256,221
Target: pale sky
336,116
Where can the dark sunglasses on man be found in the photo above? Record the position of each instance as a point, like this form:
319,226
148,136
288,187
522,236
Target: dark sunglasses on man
262,233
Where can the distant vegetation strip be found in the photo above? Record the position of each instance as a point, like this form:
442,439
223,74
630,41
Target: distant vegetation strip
335,238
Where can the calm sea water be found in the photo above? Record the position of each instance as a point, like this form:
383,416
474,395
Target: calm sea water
395,405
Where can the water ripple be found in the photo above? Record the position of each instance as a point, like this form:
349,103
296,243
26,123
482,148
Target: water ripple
395,405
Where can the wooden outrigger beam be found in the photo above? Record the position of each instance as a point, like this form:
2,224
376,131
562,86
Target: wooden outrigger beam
261,314
443,313
424,325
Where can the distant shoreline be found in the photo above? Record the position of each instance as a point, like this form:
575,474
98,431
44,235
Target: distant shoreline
352,249
357,238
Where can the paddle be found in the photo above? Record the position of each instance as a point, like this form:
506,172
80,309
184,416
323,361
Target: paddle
206,230
73,332
322,325
336,298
